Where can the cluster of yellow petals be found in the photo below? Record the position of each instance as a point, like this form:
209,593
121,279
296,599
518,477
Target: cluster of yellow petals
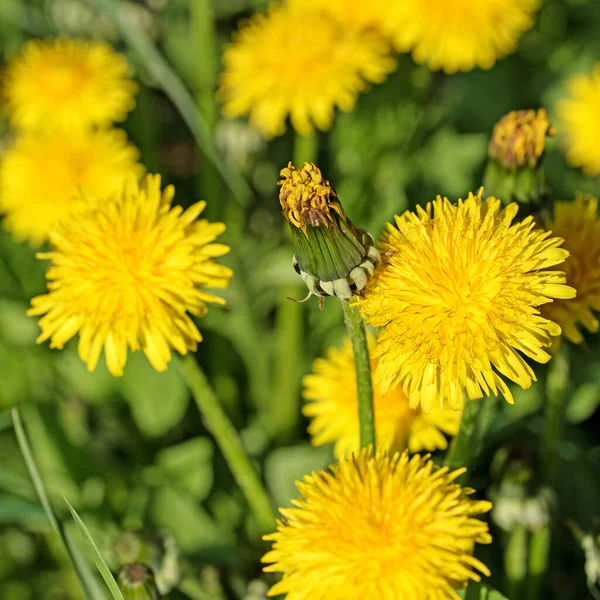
332,404
579,118
578,224
519,138
125,271
43,177
295,62
67,85
383,527
460,35
458,296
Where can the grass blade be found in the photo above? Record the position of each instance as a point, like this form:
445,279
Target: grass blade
100,563
90,586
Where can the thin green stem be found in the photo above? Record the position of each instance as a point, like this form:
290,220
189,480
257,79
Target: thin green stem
362,362
515,561
228,441
205,49
289,334
460,453
172,85
557,378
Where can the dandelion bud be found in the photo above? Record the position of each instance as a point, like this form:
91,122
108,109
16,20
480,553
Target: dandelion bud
515,154
332,256
136,582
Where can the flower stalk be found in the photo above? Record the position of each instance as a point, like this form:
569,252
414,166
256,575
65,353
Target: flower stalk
364,383
228,441
460,453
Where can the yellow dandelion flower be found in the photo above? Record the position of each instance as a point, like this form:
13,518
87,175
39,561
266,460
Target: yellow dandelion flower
375,15
460,35
124,273
40,177
458,295
295,62
378,527
579,121
67,84
578,223
332,403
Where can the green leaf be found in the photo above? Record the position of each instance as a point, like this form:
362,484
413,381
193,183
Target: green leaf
189,466
480,591
285,466
583,402
100,563
158,401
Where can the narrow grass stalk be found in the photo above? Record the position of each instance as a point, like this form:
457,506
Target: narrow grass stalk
289,334
205,50
460,453
89,584
364,384
172,85
228,441
557,378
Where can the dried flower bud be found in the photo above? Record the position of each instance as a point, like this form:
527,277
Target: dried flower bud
136,582
333,257
515,153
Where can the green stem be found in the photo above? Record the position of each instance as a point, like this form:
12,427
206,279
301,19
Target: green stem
204,44
289,330
557,378
515,561
460,453
228,441
362,362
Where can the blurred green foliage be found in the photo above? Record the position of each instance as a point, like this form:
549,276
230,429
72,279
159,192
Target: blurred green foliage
133,453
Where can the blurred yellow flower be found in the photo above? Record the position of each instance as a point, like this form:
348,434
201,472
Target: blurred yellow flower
457,294
378,527
577,222
296,62
579,121
40,177
124,273
332,403
67,84
460,35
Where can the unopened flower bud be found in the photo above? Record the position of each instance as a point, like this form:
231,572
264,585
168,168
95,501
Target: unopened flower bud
136,582
515,153
332,256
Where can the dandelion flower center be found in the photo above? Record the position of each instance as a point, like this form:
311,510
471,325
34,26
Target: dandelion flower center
125,271
458,296
378,527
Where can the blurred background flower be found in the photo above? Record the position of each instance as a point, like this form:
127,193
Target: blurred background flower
331,402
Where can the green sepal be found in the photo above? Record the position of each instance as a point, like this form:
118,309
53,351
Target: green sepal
329,252
524,185
136,582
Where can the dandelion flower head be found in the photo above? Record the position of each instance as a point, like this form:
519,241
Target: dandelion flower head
41,177
124,274
298,63
519,138
578,223
67,84
579,121
378,527
460,35
458,295
332,403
